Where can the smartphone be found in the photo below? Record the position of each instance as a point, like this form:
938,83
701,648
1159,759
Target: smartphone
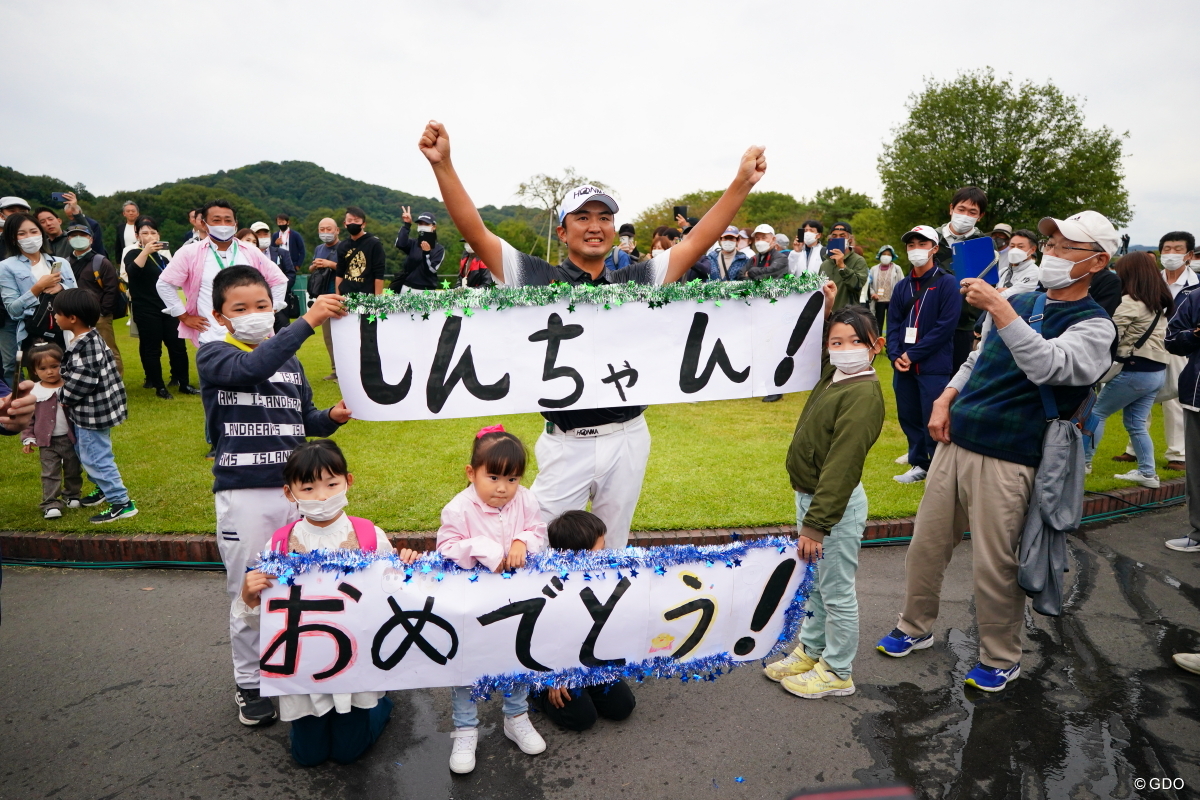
834,244
55,268
680,211
427,236
58,197
165,245
800,235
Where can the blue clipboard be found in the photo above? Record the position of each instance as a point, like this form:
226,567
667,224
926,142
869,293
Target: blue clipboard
974,259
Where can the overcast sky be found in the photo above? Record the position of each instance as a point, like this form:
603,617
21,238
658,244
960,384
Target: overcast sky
654,99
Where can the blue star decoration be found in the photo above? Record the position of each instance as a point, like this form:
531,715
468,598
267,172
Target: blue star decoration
660,570
633,573
506,575
474,578
426,569
739,779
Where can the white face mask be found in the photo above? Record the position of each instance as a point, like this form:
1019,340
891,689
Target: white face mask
810,238
850,361
762,246
1171,261
1056,272
30,244
656,252
322,510
79,242
424,229
918,258
253,328
961,223
885,259
222,233
1017,256
326,237
264,242
727,246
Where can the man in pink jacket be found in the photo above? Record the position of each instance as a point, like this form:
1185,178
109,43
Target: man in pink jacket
197,263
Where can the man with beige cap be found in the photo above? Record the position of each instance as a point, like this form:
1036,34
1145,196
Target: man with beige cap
990,445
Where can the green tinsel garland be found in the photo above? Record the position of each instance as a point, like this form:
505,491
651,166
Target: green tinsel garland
497,298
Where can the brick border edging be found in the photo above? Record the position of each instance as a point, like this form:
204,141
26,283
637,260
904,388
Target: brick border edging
202,548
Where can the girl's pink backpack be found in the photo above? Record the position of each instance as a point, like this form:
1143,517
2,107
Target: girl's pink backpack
364,531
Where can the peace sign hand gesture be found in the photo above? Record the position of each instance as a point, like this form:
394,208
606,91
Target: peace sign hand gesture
406,215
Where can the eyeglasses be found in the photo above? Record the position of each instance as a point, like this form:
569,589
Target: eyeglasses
1047,247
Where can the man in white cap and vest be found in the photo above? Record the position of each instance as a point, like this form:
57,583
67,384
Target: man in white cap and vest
990,442
600,453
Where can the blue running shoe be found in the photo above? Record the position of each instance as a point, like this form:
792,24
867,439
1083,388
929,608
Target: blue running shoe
992,679
898,643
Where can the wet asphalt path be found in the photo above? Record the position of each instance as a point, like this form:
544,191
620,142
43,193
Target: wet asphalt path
111,691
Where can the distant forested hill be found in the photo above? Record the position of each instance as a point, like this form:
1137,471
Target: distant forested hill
302,189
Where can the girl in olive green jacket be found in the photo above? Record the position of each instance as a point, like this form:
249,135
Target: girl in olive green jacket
839,425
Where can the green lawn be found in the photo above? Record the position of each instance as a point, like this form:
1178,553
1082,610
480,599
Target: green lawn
713,465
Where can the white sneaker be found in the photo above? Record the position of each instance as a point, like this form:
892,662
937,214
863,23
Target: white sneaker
1188,661
1137,477
52,513
74,504
903,459
521,731
1087,469
1184,544
462,755
914,475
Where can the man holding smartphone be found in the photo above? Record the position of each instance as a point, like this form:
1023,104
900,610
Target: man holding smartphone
423,256
807,252
600,453
844,266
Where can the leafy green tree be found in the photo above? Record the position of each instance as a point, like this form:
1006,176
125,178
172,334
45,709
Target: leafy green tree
1025,144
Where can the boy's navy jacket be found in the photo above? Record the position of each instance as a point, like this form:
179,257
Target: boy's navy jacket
933,352
259,407
1183,341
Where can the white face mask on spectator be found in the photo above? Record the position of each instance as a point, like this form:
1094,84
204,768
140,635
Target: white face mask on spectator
728,246
961,223
79,242
30,244
918,258
322,510
1016,255
424,229
762,246
656,252
264,242
222,233
1056,272
810,238
885,259
253,328
1171,261
851,361
327,237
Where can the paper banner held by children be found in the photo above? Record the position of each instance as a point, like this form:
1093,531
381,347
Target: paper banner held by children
348,621
574,349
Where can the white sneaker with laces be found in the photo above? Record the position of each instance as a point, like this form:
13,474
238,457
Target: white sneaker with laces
521,731
1137,477
1184,544
74,504
52,513
903,459
462,754
914,475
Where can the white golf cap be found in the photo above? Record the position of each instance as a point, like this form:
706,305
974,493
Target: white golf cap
1086,226
260,226
580,195
7,202
924,231
765,228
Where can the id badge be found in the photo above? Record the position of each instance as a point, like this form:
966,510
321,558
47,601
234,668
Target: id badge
910,335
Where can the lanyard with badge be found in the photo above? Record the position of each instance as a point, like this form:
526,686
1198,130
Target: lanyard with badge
232,256
910,332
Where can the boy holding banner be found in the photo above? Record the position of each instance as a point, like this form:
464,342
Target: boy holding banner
598,454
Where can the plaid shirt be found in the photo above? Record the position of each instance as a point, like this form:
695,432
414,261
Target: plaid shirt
93,392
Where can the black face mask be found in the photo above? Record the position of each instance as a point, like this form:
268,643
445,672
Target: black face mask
354,228
283,227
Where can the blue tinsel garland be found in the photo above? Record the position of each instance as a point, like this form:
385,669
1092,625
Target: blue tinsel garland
562,562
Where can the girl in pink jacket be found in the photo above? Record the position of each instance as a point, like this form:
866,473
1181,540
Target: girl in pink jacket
495,521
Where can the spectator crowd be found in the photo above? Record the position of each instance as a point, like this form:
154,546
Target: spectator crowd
1062,327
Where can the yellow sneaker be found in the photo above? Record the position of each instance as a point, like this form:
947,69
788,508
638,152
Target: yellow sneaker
796,662
818,682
